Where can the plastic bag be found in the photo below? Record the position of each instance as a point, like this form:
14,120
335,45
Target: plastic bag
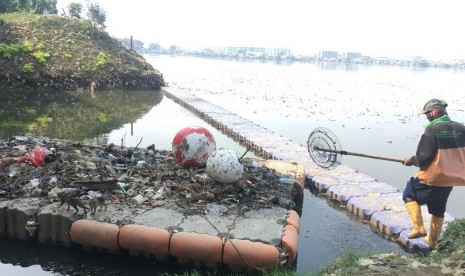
37,157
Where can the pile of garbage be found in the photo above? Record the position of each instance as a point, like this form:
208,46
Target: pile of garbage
141,178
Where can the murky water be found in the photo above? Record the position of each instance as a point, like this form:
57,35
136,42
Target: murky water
24,258
371,109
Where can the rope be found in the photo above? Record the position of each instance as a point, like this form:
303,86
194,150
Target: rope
225,239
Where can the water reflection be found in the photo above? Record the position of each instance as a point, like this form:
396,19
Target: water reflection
28,258
71,115
340,66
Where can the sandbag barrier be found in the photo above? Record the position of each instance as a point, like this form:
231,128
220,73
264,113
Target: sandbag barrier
376,203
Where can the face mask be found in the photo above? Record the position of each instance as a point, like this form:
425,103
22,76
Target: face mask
434,114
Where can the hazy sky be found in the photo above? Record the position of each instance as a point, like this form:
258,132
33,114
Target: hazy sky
394,28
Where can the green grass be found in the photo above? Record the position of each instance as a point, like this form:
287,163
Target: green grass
18,17
451,243
194,272
347,264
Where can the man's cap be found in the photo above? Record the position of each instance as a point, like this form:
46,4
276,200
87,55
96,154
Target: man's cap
433,104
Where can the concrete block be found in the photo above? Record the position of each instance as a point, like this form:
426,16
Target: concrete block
160,217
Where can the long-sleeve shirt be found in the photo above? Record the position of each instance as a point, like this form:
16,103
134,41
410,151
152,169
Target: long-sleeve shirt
441,153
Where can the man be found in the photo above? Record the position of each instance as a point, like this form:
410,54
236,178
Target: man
441,158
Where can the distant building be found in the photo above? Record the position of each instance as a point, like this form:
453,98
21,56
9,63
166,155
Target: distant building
245,50
328,55
349,56
281,52
257,51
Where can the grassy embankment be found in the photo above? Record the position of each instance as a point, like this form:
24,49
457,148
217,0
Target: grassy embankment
448,258
62,53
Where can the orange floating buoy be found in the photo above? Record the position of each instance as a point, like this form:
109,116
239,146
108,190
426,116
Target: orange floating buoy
290,242
294,220
145,239
250,255
96,234
197,247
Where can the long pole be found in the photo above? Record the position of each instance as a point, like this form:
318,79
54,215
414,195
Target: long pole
240,158
343,152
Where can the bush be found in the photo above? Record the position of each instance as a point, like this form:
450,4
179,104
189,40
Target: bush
40,57
102,60
28,68
27,47
9,50
41,46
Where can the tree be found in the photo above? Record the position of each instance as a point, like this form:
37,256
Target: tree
173,49
25,5
8,6
35,6
154,48
96,15
75,9
137,45
126,42
45,6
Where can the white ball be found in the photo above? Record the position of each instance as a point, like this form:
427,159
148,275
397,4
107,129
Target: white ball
223,166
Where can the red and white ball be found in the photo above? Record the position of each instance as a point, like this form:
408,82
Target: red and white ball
224,166
192,146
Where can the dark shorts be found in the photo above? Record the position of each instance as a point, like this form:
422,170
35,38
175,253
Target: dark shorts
433,196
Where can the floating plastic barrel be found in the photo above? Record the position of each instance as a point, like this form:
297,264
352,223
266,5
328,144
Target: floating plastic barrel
248,255
145,239
96,234
290,241
197,248
294,220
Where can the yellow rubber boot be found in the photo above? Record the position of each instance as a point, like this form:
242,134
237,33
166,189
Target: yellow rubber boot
414,211
434,231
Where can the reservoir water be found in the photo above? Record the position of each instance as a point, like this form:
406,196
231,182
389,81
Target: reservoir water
371,109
